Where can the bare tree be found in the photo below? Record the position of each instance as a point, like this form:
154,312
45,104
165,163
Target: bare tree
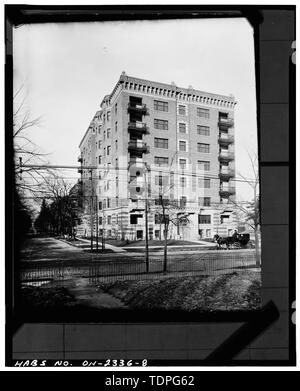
27,179
251,210
63,208
168,212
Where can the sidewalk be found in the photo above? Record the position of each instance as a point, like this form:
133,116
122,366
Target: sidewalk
200,244
107,246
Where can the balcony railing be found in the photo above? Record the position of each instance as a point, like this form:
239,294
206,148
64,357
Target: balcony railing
141,108
226,139
226,156
137,145
137,206
136,163
227,191
226,174
138,126
225,122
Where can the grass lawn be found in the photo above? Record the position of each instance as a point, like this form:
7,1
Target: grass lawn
229,292
138,243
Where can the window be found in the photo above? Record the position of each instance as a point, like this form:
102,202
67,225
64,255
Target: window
182,163
182,202
108,116
161,161
223,115
204,183
181,110
108,185
108,220
108,150
203,201
203,147
203,165
100,220
157,219
116,126
204,113
204,219
182,146
182,127
100,205
161,143
108,202
108,133
161,180
116,142
203,130
160,106
182,181
224,219
160,218
160,124
116,108
100,159
208,233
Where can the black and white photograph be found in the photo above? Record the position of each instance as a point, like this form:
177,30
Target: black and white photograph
136,156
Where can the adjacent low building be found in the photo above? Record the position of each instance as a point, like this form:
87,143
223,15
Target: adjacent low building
163,150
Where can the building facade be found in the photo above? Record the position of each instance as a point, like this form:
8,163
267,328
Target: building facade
164,151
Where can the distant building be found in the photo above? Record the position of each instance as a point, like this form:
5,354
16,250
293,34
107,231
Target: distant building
153,141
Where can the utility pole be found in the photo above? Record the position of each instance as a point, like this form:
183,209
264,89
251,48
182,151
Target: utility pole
97,225
91,209
102,239
146,218
257,257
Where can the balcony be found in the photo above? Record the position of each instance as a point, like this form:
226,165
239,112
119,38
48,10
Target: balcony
225,122
226,174
138,127
226,139
136,163
137,206
137,145
226,156
227,191
137,107
79,159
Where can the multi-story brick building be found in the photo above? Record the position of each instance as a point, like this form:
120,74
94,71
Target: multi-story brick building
165,145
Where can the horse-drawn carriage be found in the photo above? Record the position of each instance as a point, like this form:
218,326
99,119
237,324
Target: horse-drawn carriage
235,241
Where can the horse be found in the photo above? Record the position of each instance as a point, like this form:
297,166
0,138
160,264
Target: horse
227,240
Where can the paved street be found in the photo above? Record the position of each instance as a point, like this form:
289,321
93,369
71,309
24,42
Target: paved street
51,249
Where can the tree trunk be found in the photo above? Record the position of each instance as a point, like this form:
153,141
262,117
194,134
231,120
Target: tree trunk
165,248
257,256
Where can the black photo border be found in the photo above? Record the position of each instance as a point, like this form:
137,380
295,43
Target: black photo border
16,15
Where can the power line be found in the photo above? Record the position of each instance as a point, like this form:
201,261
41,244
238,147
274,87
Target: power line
102,167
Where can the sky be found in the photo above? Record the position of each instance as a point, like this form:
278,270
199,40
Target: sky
66,69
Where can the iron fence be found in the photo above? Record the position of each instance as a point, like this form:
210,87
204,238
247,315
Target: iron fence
136,268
